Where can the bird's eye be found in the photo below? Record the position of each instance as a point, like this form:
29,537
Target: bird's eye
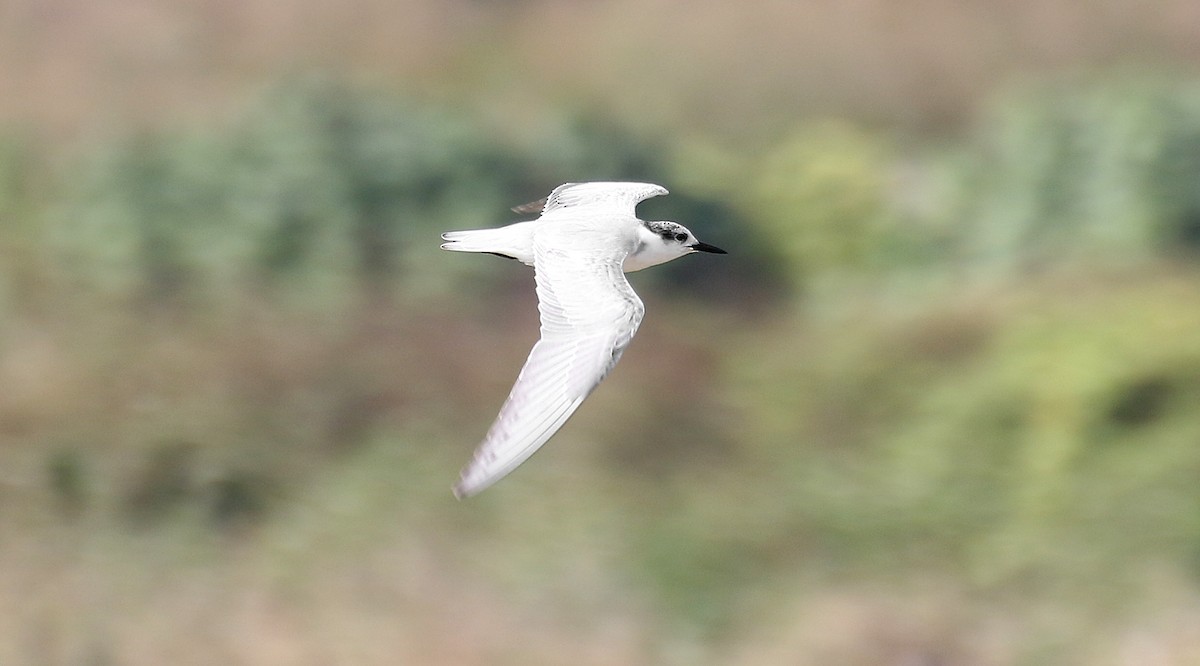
680,237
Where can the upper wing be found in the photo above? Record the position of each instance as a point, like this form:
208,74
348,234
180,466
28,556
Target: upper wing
589,314
615,198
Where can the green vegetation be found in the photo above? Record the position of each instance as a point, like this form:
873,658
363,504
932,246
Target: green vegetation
956,382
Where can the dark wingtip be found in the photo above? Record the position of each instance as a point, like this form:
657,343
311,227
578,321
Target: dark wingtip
705,247
531,207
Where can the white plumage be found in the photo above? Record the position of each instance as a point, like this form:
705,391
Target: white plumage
586,238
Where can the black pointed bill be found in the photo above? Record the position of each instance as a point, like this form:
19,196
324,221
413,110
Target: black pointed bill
705,247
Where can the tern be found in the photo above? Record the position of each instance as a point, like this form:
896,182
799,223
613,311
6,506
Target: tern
586,238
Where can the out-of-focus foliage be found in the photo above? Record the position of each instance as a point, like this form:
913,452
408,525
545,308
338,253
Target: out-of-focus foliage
320,191
997,435
17,202
1051,179
1105,173
819,196
989,377
323,184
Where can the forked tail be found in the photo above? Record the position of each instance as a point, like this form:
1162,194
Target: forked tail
514,241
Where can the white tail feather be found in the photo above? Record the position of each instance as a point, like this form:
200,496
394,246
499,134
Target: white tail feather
515,241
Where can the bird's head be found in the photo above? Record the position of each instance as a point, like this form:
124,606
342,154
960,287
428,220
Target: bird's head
661,241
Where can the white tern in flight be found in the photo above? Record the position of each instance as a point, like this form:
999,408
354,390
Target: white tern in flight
586,238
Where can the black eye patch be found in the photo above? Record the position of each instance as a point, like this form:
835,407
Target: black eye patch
667,231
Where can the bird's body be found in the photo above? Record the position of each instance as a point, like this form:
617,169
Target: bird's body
586,238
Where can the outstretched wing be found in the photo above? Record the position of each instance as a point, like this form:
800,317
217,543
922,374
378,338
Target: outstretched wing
619,198
589,314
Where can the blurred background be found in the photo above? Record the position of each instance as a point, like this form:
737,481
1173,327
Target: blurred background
939,405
